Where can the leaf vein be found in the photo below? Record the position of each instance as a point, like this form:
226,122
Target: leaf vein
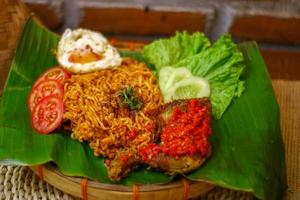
25,78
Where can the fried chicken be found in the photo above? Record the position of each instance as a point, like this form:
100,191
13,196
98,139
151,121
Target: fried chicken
125,161
182,145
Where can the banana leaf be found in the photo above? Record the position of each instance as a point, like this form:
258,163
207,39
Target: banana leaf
248,152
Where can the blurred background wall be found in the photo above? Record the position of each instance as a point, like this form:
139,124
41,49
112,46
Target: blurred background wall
274,24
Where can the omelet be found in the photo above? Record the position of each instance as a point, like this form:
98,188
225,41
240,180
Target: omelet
83,51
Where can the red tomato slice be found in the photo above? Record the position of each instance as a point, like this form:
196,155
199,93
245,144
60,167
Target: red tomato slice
42,90
47,114
54,73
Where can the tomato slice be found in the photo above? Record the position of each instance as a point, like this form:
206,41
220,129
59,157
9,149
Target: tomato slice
47,114
43,89
55,73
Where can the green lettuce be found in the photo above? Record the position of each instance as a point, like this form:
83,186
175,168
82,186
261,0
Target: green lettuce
221,64
167,52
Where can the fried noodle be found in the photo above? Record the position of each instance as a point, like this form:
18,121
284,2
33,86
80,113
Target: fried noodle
92,106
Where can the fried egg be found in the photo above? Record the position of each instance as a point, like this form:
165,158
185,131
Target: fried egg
82,51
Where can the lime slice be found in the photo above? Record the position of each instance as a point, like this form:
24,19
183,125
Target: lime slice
178,75
164,75
192,87
169,76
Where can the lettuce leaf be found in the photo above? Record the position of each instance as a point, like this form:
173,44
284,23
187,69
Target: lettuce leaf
221,64
167,52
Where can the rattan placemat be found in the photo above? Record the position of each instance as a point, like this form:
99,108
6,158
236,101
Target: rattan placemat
21,183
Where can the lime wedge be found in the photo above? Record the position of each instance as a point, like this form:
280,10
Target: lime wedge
192,87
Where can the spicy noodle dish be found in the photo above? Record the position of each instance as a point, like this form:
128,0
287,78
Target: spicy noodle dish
129,113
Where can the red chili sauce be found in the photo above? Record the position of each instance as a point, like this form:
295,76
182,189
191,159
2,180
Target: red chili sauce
185,133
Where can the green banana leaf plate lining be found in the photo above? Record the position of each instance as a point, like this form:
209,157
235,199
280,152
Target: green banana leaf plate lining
248,152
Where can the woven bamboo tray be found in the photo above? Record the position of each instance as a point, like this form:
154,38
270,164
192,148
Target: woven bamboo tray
97,191
19,182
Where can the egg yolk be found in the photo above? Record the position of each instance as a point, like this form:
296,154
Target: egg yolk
83,56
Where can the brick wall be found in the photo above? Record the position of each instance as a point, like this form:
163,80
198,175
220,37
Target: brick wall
274,24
